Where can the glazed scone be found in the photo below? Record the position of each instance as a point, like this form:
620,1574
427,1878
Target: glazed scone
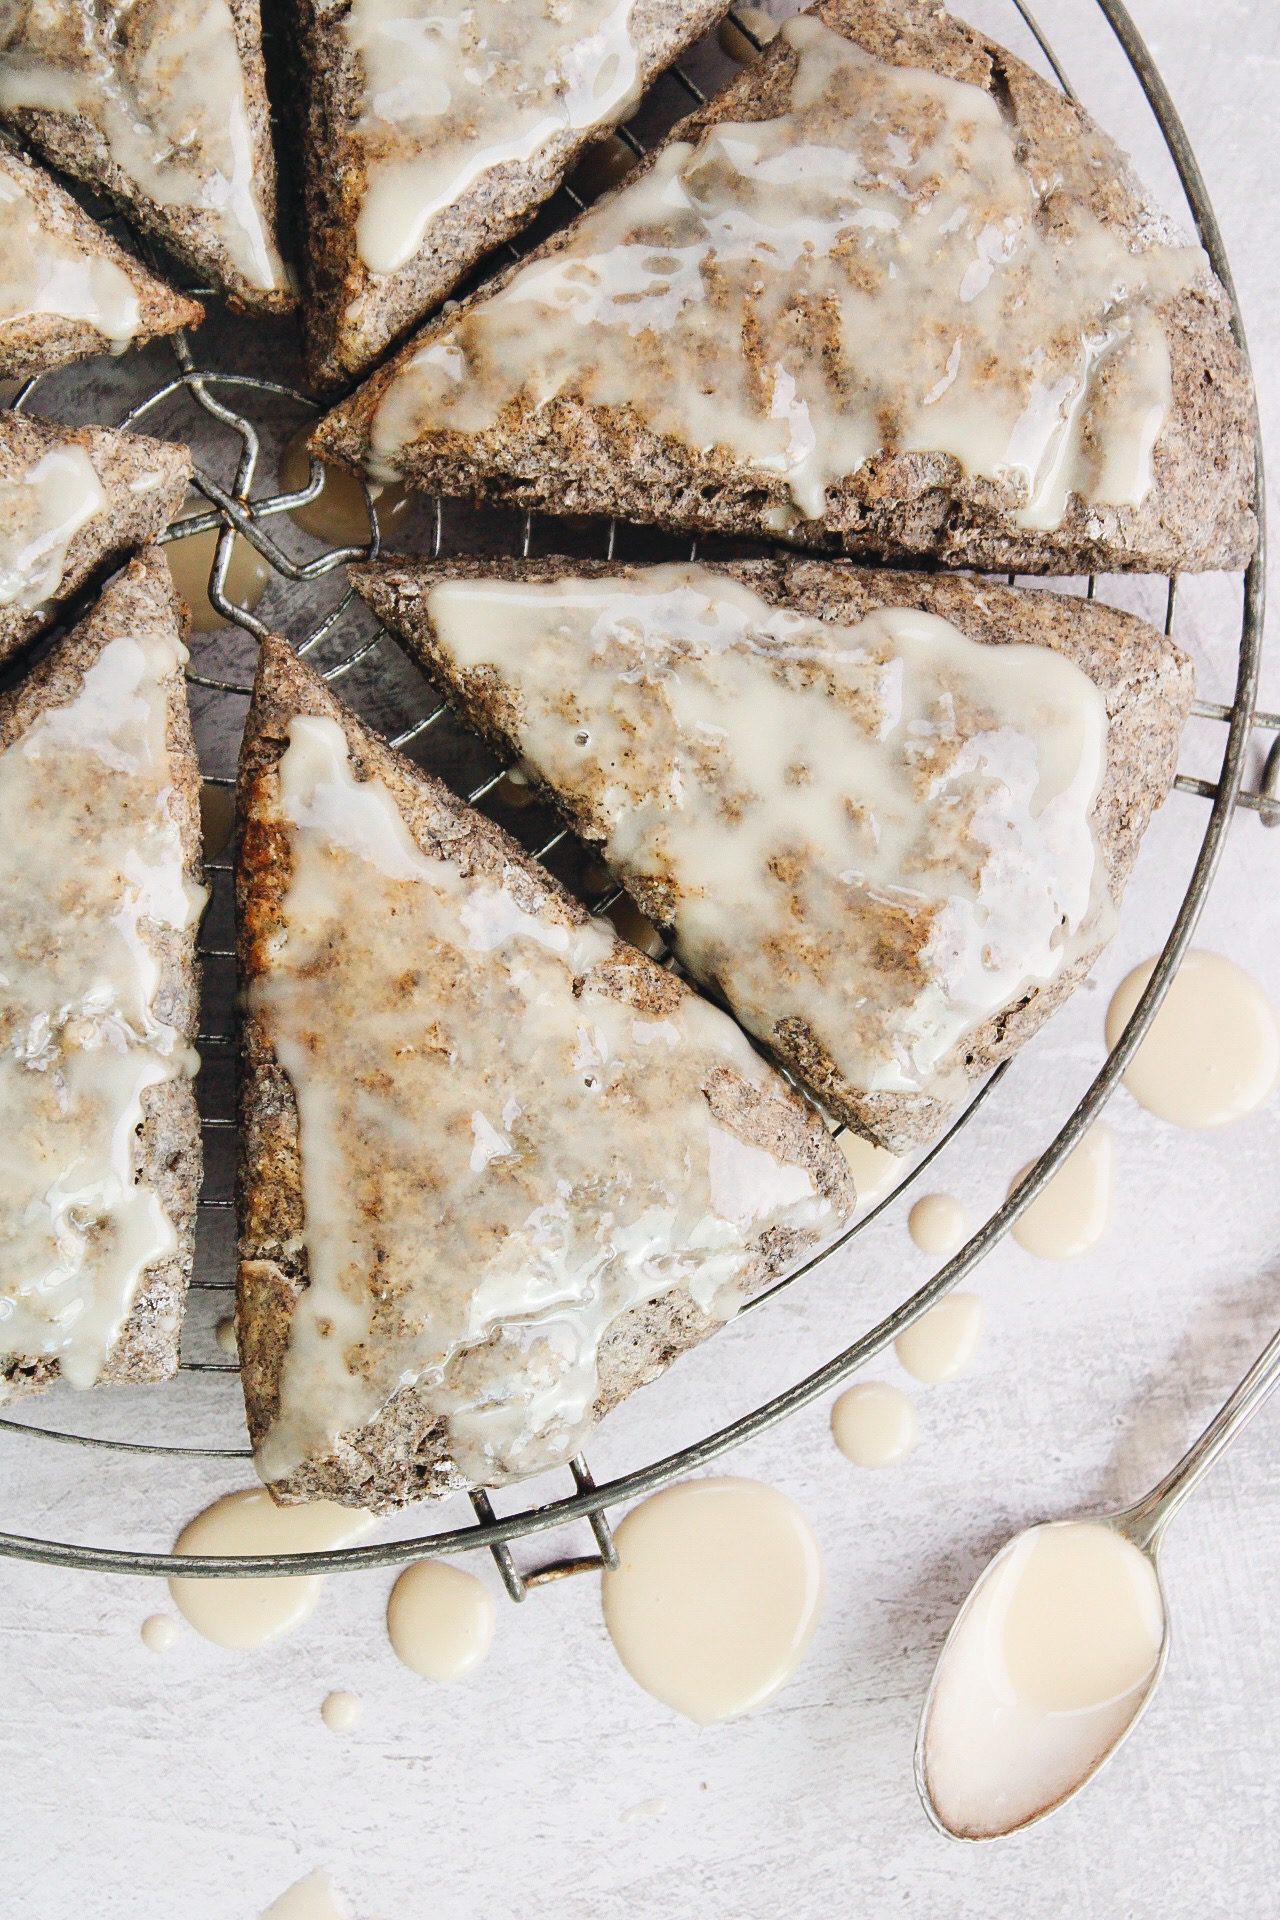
162,104
66,289
100,896
432,130
73,502
889,293
887,817
498,1168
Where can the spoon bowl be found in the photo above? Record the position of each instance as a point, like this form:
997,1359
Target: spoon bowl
1039,1682
1058,1650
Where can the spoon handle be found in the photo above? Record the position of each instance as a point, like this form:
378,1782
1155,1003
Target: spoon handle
1146,1522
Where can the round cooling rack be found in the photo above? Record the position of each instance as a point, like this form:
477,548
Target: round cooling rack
238,407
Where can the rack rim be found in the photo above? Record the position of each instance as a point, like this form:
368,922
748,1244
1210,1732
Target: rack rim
590,1499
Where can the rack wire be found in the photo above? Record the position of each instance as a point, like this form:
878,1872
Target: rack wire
252,407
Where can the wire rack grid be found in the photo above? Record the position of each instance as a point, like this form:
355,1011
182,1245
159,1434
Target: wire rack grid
253,408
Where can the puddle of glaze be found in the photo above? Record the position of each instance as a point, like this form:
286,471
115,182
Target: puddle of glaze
1049,1661
440,1620
874,1168
339,514
250,1612
938,1223
513,790
190,560
341,1711
874,1424
631,925
1212,1053
1072,1213
225,1335
942,1343
158,1632
217,818
602,166
716,1595
313,1898
734,42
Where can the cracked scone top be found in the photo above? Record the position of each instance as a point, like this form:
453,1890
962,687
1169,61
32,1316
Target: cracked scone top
157,99
864,270
513,1133
93,878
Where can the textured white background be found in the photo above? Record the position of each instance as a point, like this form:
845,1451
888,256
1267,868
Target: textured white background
203,1783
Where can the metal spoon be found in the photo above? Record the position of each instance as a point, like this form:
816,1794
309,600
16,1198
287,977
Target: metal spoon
1143,1526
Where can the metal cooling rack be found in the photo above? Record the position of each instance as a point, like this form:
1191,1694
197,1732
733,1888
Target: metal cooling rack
219,399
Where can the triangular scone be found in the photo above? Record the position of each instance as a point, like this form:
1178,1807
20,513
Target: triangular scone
434,128
99,899
886,816
73,501
891,293
66,289
498,1168
161,104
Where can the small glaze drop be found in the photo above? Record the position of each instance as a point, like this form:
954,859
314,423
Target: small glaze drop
645,1810
249,1612
1072,1213
314,1898
874,1424
937,1223
874,1168
1212,1053
217,818
440,1620
339,514
716,1595
341,1711
158,1632
943,1341
190,560
225,1335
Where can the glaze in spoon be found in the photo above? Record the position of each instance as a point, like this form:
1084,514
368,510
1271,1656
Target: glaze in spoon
1058,1649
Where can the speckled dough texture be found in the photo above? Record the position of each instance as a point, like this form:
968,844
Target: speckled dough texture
566,457
168,1149
341,345
1146,680
73,143
129,519
402,1454
31,343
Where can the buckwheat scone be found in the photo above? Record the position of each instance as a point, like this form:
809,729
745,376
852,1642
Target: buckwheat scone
434,128
73,501
162,104
66,289
498,1168
889,293
887,817
99,898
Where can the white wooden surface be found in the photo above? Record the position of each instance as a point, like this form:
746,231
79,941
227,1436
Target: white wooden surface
202,1783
